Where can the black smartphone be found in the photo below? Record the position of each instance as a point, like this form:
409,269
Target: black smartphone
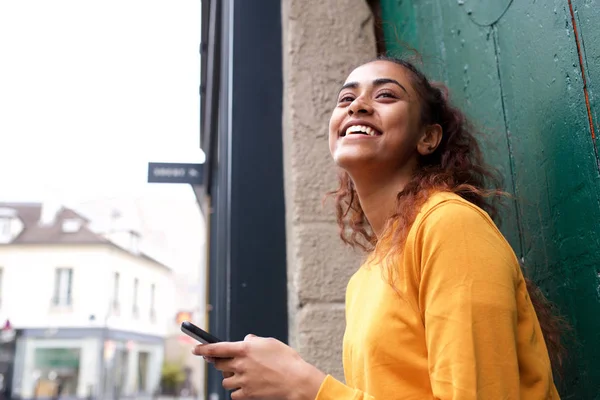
199,334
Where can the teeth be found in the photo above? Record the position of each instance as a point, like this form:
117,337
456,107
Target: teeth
360,128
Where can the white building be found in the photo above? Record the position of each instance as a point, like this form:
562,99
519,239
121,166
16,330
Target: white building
174,233
90,313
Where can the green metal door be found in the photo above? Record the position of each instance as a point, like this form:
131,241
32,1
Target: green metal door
528,73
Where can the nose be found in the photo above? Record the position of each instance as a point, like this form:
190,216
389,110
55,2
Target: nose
359,106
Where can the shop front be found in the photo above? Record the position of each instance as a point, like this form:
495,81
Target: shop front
56,371
8,344
86,363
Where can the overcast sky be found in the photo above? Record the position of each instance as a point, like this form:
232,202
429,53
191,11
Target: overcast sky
91,91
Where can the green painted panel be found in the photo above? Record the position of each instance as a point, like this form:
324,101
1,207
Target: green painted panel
555,169
399,25
402,21
514,67
587,15
463,55
472,74
483,13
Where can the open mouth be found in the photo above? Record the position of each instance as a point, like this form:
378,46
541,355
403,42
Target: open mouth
360,130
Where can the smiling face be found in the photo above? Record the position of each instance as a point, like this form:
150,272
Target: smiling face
376,123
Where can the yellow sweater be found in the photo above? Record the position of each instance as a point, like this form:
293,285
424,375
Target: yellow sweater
460,325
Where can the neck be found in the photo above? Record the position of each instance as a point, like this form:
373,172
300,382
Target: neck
378,196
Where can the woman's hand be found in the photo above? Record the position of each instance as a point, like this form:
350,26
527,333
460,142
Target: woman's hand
263,368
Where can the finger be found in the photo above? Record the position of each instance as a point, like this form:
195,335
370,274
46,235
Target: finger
250,337
196,351
227,374
231,383
225,365
220,350
239,395
209,360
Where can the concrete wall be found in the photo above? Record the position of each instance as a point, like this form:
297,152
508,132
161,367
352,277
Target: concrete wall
323,40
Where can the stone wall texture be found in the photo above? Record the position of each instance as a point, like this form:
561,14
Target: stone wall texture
323,40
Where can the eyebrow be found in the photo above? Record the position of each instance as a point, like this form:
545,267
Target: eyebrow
376,82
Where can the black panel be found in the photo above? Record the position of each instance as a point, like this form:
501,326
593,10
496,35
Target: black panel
258,269
247,260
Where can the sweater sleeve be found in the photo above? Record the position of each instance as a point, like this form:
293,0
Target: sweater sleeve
467,298
332,389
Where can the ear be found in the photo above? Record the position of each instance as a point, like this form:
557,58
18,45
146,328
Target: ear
430,139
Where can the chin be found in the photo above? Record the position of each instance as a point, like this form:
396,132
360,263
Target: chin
349,160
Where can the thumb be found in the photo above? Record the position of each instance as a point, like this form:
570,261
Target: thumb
250,337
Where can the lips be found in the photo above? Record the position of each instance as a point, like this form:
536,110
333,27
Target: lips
357,127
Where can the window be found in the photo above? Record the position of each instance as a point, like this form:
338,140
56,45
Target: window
134,243
4,226
115,302
152,300
142,372
136,284
7,216
5,231
66,361
71,225
63,287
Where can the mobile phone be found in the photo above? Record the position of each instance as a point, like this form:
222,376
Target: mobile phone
199,334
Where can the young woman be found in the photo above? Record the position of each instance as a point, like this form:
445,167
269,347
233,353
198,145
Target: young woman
440,309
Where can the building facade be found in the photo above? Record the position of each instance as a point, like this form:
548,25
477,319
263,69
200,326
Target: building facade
91,315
